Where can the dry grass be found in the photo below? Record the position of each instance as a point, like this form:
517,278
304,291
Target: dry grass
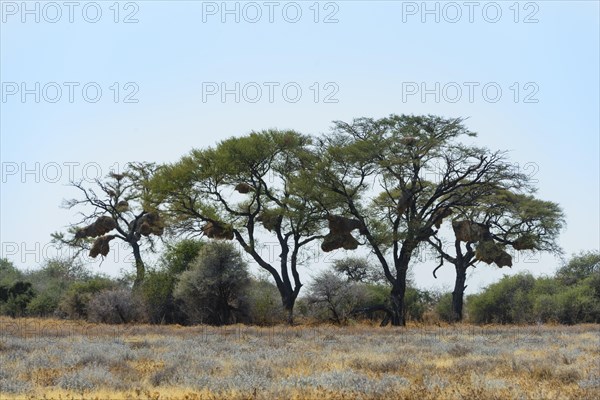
51,359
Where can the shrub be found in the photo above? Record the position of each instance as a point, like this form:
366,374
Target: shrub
159,284
157,293
506,301
333,297
443,308
214,289
178,257
416,302
43,305
264,302
115,306
9,274
74,303
545,308
577,304
51,282
579,267
18,296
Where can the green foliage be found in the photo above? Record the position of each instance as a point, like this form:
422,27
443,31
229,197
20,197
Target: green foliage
377,293
579,267
8,273
525,299
358,269
157,292
157,288
179,255
19,294
443,308
52,281
43,305
264,303
74,303
212,291
416,303
577,304
507,301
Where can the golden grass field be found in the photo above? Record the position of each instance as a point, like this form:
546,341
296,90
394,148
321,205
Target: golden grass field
54,359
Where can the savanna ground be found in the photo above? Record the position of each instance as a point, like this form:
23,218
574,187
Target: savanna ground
52,359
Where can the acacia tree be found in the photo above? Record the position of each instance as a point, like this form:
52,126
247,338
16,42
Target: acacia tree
271,202
423,174
481,232
118,204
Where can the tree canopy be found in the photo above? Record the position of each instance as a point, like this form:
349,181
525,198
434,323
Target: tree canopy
118,207
243,186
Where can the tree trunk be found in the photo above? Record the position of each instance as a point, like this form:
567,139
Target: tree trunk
398,317
288,304
139,265
399,285
458,293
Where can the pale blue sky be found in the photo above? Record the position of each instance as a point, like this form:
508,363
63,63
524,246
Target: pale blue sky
371,57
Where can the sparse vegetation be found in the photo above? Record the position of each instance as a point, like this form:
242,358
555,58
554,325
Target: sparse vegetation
88,361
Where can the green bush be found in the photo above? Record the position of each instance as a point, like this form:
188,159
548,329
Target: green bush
74,303
579,267
9,274
179,256
159,284
524,299
43,305
577,304
545,308
19,295
50,284
157,293
443,308
264,302
214,289
416,302
506,301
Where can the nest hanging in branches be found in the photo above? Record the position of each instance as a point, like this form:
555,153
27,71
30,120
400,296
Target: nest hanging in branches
439,216
334,242
102,225
467,231
150,224
101,246
409,140
339,235
218,230
269,219
404,201
525,242
244,188
122,206
503,260
116,176
489,252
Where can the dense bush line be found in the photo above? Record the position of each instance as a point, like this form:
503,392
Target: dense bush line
197,282
572,296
